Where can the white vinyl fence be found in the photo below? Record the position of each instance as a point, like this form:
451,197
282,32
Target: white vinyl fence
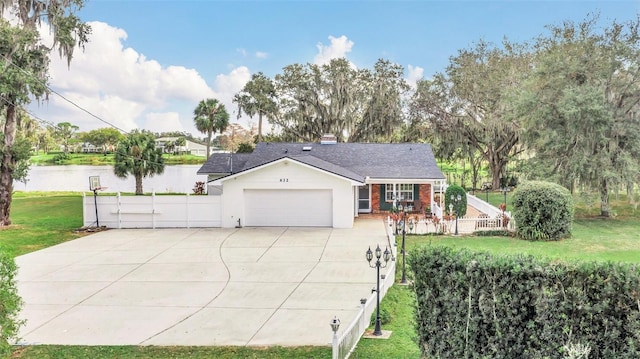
346,343
164,211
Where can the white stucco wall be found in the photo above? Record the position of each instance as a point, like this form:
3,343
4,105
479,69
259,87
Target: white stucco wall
287,174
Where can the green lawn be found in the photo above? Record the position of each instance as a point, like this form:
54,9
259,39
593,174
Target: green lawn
593,239
96,159
42,220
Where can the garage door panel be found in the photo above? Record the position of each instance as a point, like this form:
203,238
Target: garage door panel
288,208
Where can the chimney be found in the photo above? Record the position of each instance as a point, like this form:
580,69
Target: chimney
328,139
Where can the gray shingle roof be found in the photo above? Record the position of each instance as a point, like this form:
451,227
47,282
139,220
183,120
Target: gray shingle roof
351,160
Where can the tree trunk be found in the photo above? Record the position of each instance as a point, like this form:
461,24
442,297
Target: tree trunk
259,126
139,185
208,143
496,170
7,166
604,200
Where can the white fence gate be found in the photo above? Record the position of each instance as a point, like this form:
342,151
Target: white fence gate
164,211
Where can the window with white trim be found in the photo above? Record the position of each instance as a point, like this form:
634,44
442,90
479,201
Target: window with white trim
405,192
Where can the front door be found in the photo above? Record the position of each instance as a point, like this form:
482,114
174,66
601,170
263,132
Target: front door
364,199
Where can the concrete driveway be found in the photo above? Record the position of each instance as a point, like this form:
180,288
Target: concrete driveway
249,286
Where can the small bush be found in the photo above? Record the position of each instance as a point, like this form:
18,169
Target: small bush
10,304
60,158
199,188
542,211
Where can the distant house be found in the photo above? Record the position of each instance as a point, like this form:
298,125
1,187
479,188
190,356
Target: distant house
323,184
90,148
191,147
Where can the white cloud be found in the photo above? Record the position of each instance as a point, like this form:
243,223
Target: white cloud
339,47
163,122
415,73
125,88
261,55
227,85
242,52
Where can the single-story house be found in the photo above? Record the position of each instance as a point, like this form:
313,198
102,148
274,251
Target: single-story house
324,184
190,147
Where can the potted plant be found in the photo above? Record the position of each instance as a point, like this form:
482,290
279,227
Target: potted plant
427,212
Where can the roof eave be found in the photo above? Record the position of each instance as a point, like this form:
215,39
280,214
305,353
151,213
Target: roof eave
371,180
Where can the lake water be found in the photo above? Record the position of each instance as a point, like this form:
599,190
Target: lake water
179,178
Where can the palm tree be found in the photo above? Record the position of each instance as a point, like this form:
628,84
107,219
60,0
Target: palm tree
210,116
137,155
180,142
257,97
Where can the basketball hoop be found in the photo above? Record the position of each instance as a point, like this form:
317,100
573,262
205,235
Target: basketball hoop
94,185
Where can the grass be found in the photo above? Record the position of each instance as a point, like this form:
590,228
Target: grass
399,303
45,219
41,220
98,159
593,239
123,352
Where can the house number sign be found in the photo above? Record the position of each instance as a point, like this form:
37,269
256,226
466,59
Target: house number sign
284,180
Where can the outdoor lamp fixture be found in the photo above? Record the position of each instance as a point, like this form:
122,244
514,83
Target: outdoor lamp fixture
335,325
401,209
377,265
411,225
456,199
505,190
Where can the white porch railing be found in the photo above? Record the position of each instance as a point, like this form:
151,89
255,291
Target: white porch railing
483,206
349,338
466,225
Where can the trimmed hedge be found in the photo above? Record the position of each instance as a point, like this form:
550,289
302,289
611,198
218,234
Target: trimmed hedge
542,211
475,305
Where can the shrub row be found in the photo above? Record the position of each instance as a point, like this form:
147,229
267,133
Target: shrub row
475,305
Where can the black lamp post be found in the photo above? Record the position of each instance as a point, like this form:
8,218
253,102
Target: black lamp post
385,256
504,191
404,232
455,199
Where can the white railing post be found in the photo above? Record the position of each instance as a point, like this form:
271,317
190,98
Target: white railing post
188,218
153,209
119,212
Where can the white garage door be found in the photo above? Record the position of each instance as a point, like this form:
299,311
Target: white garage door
288,208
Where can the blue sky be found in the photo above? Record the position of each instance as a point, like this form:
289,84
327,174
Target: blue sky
150,62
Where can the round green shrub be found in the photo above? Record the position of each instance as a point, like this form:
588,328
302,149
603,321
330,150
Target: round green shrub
458,207
543,211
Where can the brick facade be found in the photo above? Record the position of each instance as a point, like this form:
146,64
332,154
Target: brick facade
375,198
424,195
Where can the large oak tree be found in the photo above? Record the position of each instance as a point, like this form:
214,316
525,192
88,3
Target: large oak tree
24,62
356,105
468,107
258,97
581,106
